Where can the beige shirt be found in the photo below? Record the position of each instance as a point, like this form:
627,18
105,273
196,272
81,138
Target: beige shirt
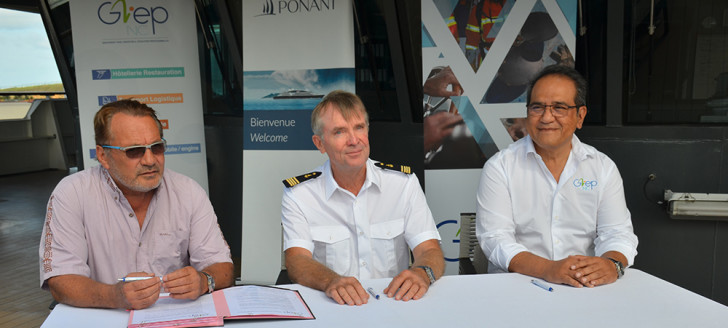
92,231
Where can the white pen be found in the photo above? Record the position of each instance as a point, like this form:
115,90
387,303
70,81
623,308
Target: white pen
128,279
371,291
542,285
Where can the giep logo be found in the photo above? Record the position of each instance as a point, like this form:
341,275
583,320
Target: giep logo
111,14
585,184
450,246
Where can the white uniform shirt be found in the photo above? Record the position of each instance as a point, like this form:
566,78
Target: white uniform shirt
521,207
364,236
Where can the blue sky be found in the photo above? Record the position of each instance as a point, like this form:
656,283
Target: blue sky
25,57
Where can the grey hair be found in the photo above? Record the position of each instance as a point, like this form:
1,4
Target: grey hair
346,103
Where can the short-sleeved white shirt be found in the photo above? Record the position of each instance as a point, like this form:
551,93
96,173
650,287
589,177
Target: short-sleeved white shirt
521,207
364,236
92,231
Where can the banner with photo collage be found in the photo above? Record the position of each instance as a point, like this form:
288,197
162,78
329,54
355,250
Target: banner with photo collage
145,50
294,53
477,59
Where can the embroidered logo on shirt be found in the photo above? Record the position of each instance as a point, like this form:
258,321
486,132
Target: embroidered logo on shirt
584,184
48,239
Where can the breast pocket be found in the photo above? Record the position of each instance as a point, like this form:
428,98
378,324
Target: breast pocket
387,238
170,251
331,247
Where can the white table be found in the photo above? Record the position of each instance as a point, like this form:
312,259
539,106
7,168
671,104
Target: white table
492,300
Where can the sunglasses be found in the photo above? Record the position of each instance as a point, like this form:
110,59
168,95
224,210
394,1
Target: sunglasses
136,152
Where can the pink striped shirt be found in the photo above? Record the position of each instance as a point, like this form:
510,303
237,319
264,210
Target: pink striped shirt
92,231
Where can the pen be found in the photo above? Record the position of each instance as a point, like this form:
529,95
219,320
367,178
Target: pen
371,291
542,285
128,279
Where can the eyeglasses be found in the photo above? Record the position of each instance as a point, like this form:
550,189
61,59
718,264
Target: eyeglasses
136,152
557,110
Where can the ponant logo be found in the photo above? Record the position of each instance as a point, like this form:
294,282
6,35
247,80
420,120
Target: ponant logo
278,7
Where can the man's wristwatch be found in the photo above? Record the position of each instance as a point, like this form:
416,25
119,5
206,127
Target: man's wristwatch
429,273
210,282
620,267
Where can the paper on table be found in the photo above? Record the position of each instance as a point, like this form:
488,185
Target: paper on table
265,300
243,302
168,309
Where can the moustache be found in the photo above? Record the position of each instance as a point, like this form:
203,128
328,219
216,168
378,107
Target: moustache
150,169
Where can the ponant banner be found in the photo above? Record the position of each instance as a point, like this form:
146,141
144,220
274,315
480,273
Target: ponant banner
294,53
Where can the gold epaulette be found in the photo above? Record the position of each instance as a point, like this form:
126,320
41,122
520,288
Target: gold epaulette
290,182
394,167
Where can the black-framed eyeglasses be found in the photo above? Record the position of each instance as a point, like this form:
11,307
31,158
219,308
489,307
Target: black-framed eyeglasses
557,110
136,152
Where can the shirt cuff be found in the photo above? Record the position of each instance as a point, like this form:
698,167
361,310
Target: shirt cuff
221,258
629,252
422,237
503,254
308,245
60,272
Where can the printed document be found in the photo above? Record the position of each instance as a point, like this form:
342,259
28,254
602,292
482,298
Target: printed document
242,302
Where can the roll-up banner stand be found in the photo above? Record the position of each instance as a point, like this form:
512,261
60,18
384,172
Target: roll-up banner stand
493,48
145,50
294,53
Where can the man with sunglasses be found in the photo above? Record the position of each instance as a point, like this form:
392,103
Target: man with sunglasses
129,217
550,206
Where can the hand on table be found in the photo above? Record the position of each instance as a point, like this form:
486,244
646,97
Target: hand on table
593,271
347,290
563,271
408,285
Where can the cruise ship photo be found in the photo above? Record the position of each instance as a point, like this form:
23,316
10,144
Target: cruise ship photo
296,94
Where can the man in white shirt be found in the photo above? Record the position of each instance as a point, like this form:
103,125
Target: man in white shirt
550,206
353,218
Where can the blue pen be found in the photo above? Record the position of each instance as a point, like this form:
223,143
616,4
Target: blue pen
371,291
542,285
